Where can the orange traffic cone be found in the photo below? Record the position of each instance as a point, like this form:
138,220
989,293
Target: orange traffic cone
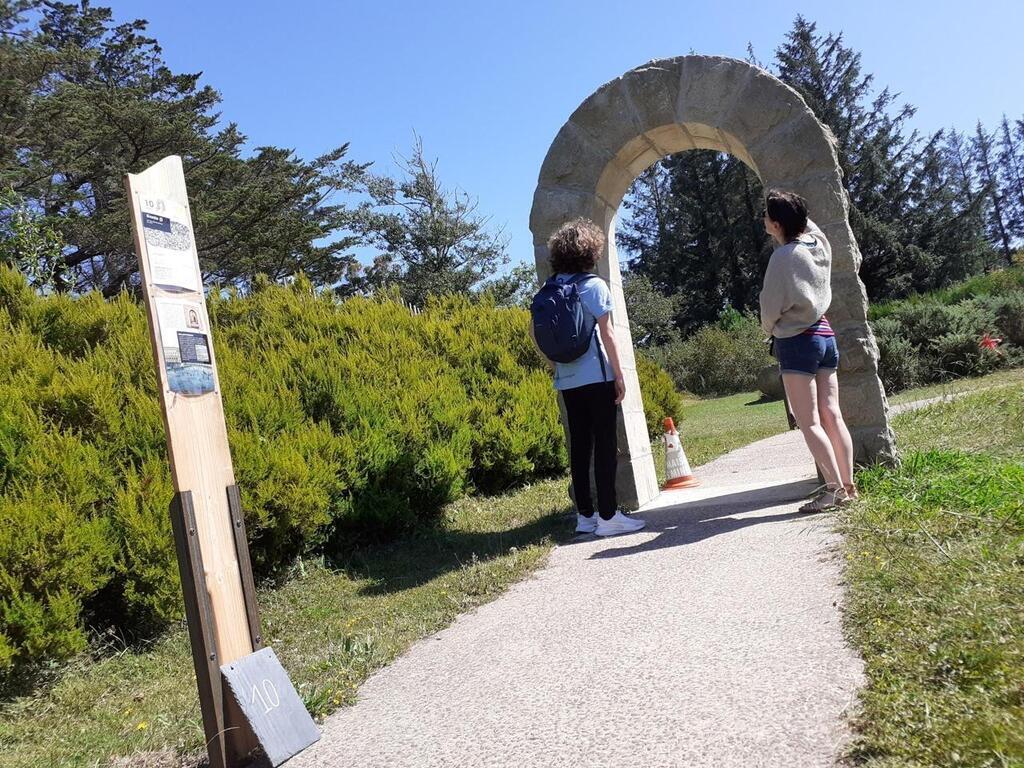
677,469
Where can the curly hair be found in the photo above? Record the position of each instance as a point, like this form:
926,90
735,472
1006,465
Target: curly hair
576,247
787,209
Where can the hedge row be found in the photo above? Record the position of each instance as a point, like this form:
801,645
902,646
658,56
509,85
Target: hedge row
721,358
925,340
922,340
345,420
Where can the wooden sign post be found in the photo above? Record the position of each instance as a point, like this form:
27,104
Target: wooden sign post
206,514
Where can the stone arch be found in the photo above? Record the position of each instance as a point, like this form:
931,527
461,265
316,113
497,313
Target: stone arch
709,102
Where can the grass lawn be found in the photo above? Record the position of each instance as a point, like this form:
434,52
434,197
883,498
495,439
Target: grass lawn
710,428
957,386
332,624
935,554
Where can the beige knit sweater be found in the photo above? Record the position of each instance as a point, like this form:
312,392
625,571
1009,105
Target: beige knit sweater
797,286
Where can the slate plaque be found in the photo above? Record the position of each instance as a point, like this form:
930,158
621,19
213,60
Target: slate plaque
268,700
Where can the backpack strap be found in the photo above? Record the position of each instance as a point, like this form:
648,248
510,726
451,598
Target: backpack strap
577,279
580,277
600,353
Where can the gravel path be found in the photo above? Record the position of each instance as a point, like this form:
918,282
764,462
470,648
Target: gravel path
712,638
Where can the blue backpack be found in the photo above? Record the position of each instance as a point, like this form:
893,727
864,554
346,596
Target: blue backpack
559,322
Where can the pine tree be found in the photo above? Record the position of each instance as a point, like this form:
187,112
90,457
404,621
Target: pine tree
694,231
988,171
86,99
1011,167
914,232
429,240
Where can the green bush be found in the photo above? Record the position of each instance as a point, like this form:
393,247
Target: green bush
899,363
659,393
934,338
345,419
996,283
1009,314
957,355
719,359
52,557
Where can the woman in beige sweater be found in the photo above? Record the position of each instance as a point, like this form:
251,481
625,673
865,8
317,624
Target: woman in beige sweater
796,292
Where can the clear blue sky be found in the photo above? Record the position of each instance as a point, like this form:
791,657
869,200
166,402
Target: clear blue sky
487,85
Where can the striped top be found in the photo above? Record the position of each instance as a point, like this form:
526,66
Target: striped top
820,328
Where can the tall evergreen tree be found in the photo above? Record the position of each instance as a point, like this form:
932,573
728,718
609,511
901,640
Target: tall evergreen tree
985,160
905,218
429,240
86,99
694,232
1011,170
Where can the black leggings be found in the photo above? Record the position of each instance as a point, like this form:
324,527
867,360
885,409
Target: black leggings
591,413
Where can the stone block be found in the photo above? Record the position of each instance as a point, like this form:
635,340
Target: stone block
709,87
647,157
612,186
736,148
627,356
762,104
669,139
542,261
791,151
861,399
572,161
874,444
858,352
846,256
608,120
769,382
826,200
654,90
635,481
553,206
849,296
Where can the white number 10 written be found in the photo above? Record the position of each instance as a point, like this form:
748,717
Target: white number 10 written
266,694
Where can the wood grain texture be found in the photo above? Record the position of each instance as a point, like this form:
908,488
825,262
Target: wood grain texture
197,440
200,628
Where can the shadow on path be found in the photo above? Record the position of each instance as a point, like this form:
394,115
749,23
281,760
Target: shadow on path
430,553
700,519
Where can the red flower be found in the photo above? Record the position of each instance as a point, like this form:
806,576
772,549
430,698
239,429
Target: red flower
987,342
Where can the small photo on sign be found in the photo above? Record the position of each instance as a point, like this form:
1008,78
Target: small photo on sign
194,347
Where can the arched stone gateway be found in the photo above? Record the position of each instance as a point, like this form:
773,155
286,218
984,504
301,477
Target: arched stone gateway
709,102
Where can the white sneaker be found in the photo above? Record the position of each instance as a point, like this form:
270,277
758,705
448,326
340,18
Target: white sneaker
586,524
618,524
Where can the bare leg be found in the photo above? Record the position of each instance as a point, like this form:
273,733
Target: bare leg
802,393
834,425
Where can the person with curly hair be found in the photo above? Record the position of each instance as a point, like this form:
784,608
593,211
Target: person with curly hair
796,293
592,385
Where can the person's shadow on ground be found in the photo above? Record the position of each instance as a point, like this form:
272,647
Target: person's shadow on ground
417,560
693,521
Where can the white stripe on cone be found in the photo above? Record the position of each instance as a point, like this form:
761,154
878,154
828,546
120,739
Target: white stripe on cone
677,469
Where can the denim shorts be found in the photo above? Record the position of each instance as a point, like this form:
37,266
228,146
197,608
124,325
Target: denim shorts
807,354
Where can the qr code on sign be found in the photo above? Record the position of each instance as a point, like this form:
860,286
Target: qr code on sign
178,239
